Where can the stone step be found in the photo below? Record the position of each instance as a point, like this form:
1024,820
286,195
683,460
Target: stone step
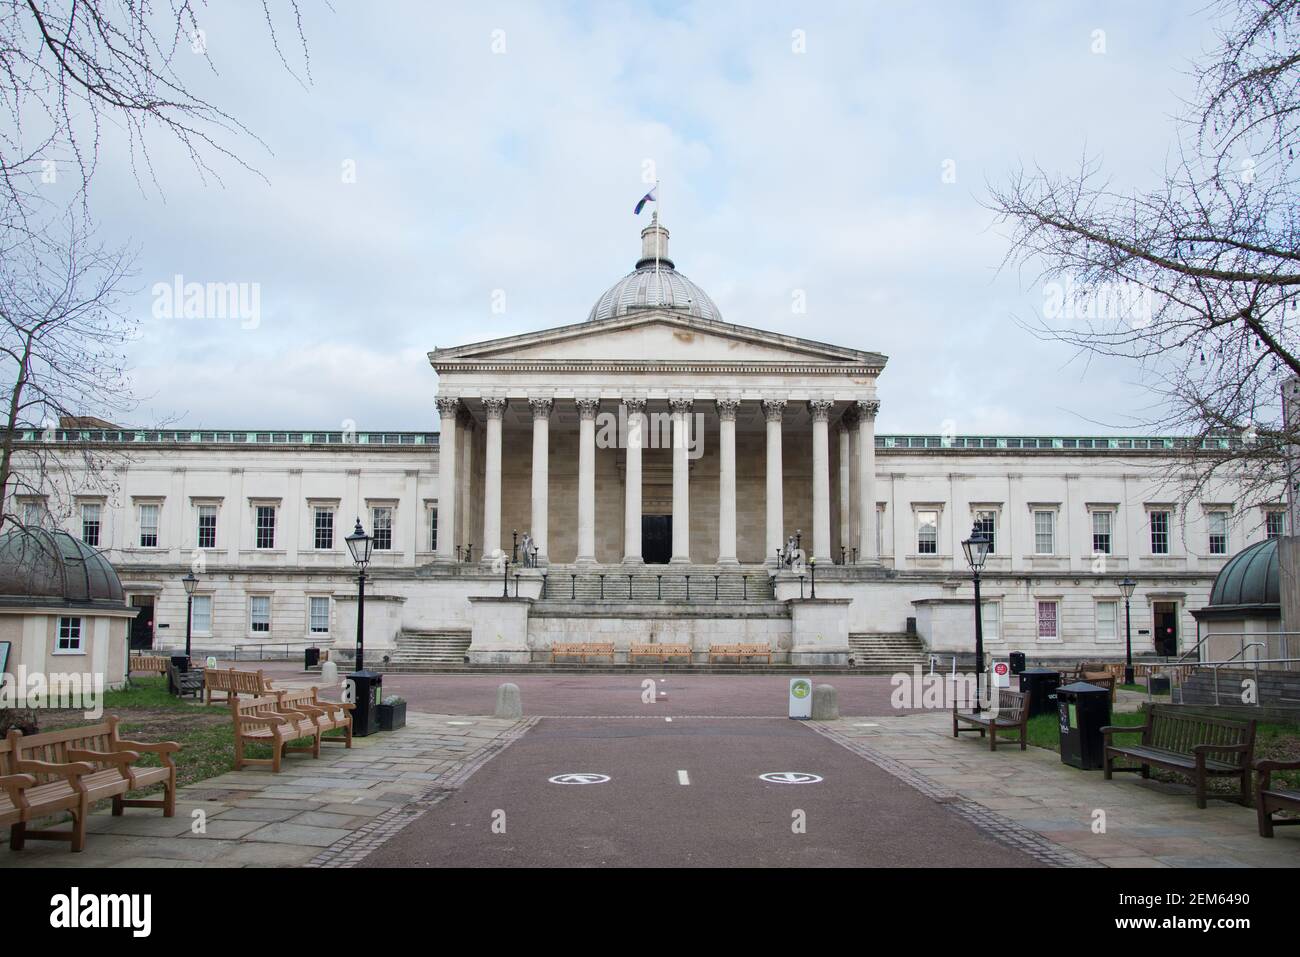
425,648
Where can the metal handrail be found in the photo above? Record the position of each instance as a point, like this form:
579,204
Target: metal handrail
1219,664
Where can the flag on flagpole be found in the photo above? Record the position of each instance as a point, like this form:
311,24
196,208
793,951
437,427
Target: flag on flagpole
647,198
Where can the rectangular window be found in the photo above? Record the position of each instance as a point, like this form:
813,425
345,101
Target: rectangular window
992,614
1102,525
433,529
324,529
1048,626
880,530
259,614
202,620
1159,533
90,517
1274,523
265,526
382,519
987,523
148,526
319,615
1218,522
1107,621
927,533
207,526
1044,532
69,636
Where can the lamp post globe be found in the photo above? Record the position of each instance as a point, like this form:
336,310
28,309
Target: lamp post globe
976,549
1126,588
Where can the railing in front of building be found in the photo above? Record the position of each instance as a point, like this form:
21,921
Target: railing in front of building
703,587
206,436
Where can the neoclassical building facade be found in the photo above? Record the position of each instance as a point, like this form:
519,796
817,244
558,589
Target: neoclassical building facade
644,475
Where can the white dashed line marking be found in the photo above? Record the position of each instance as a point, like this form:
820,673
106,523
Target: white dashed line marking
683,777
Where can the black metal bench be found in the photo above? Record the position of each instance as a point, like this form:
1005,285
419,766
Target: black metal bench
1193,744
1012,714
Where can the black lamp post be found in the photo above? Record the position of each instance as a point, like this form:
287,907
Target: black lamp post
514,545
1126,588
359,544
977,550
191,582
812,570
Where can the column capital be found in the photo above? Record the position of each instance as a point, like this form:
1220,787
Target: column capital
821,409
635,404
867,408
587,408
495,406
727,409
541,407
448,405
773,409
682,406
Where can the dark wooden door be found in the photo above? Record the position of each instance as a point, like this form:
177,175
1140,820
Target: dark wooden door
1166,628
656,539
142,623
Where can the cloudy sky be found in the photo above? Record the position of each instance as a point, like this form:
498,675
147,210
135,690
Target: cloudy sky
502,147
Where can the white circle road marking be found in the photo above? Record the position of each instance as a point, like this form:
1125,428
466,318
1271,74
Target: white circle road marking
580,777
789,777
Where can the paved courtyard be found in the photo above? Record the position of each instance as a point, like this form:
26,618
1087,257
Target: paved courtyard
458,788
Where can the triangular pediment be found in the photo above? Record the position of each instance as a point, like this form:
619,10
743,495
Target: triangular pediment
655,335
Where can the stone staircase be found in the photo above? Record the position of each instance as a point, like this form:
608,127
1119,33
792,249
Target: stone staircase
886,653
664,583
419,648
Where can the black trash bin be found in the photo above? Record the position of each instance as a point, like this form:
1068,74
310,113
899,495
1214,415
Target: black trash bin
1017,662
1041,683
1083,710
367,688
310,658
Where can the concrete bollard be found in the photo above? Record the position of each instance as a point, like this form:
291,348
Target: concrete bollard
825,703
329,674
508,703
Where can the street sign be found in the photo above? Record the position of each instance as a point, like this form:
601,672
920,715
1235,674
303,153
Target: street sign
801,698
790,777
1001,674
580,777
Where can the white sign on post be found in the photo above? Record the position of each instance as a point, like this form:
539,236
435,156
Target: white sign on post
1001,674
801,698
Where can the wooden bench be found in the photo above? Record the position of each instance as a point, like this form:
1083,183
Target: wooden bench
583,649
661,652
741,652
181,683
327,715
1191,744
1269,800
70,770
233,683
261,721
149,664
1012,714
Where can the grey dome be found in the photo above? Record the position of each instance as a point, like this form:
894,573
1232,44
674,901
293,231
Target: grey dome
40,566
654,283
1250,577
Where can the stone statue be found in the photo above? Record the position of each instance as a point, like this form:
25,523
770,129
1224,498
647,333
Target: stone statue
528,550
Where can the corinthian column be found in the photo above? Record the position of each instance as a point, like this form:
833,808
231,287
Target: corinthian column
681,409
867,409
541,474
821,413
847,423
727,481
632,481
772,410
587,409
495,409
447,409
